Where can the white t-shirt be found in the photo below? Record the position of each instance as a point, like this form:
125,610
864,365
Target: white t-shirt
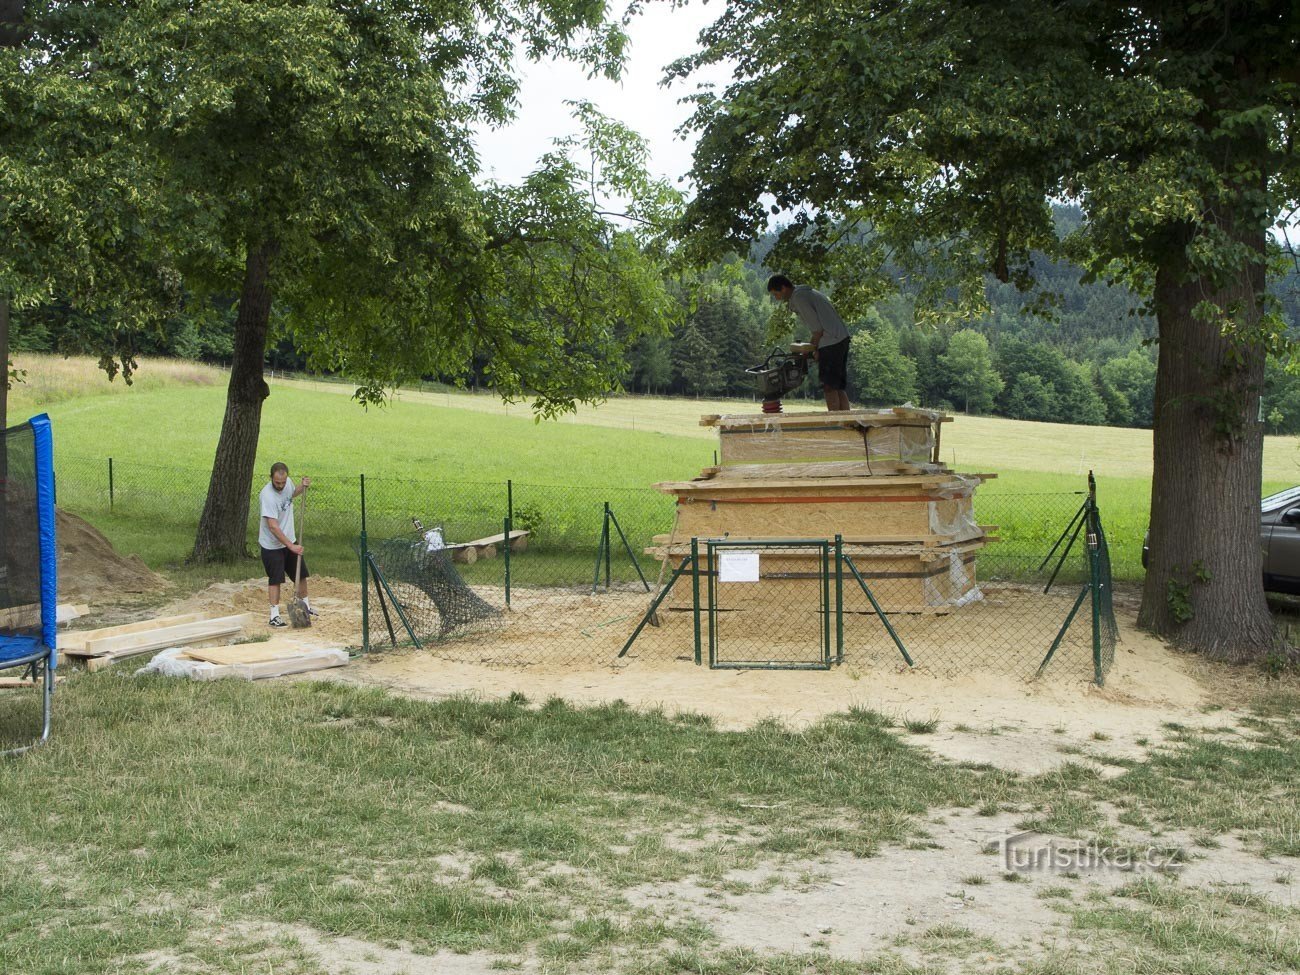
278,505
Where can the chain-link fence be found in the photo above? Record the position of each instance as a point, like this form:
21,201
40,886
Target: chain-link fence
519,573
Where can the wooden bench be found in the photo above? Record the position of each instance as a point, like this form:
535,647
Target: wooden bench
486,548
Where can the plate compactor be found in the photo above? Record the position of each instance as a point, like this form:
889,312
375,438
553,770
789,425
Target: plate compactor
780,373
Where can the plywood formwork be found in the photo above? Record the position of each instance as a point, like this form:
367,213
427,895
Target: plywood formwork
926,510
873,478
901,435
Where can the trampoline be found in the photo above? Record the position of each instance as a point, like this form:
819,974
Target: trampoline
29,561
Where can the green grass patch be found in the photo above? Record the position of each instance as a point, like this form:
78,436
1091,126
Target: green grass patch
392,820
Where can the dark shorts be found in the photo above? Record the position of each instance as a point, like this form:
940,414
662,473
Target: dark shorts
833,365
281,564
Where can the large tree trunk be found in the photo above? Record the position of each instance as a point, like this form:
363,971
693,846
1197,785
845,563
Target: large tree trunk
1204,585
223,529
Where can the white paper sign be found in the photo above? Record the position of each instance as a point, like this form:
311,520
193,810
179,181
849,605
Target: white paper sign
738,567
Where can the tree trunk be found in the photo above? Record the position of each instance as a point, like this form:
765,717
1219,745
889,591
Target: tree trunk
1204,586
12,15
223,528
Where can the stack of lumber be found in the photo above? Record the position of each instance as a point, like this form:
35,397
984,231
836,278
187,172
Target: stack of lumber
873,477
104,647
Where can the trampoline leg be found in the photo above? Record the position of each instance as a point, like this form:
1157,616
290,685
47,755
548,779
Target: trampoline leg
47,708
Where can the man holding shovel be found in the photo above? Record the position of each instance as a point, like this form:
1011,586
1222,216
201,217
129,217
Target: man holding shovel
281,553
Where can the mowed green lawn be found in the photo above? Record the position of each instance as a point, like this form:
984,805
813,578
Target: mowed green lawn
162,434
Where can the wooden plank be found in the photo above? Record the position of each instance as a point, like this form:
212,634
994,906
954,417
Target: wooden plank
824,469
163,637
774,421
20,683
76,639
928,553
800,487
756,446
246,653
519,536
63,613
286,666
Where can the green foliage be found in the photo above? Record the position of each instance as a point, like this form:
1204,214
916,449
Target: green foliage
878,371
969,368
337,138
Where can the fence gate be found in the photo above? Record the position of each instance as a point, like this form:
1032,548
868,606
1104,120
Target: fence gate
769,604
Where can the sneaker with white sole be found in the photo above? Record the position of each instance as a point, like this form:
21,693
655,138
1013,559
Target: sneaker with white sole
312,613
276,621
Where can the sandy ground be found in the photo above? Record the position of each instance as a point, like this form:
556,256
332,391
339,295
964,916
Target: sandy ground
852,908
1024,725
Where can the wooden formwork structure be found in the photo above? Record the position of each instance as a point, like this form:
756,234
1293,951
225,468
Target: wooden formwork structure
871,477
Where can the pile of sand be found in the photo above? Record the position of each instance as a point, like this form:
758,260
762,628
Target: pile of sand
89,567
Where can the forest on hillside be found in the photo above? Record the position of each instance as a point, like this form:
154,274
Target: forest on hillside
1090,360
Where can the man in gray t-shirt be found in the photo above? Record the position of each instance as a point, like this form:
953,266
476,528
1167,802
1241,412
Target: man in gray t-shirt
830,338
278,540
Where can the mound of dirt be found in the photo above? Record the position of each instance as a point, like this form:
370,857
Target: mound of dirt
89,566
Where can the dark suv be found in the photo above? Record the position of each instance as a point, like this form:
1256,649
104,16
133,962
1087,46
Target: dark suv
1279,536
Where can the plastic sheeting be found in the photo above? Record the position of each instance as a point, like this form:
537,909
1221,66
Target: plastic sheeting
955,515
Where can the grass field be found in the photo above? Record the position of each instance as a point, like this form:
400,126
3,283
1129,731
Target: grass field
316,828
447,456
189,827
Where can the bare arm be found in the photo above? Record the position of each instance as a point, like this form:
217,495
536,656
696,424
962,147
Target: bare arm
273,527
303,485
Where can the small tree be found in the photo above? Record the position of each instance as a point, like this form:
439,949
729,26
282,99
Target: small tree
968,367
878,371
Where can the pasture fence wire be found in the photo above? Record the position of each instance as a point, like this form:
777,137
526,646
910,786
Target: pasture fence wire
521,573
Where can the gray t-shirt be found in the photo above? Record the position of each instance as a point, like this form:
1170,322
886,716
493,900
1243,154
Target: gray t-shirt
278,505
816,311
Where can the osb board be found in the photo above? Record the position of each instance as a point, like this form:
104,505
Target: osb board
828,469
825,443
906,521
888,486
246,653
895,416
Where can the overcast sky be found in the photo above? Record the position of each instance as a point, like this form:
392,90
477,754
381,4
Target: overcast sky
659,36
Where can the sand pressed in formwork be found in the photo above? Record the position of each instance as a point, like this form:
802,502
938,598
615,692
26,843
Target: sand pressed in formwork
568,640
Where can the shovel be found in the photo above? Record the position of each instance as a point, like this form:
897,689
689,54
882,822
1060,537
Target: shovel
299,618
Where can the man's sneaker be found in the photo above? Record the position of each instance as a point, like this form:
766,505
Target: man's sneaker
312,613
276,621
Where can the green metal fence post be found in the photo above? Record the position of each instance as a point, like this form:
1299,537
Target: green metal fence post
627,547
365,582
695,595
600,553
1094,574
507,557
839,598
510,499
711,584
826,602
606,538
110,484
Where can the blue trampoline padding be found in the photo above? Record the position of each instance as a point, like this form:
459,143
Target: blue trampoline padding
44,442
18,648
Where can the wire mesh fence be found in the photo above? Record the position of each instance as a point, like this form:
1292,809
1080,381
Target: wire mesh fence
533,574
